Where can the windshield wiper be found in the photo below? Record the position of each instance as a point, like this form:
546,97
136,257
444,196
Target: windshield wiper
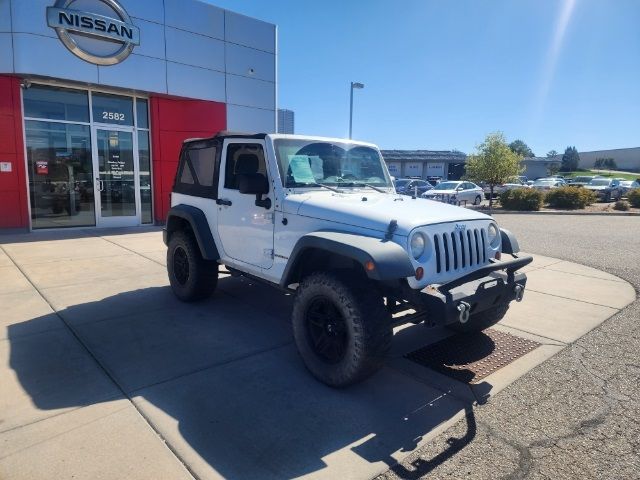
315,184
377,189
361,184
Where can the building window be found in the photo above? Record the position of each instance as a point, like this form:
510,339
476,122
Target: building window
55,103
60,174
72,154
144,156
112,109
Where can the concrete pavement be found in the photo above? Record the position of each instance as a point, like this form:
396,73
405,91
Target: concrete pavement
104,374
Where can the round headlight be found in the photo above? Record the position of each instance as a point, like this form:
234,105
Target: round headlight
417,245
494,235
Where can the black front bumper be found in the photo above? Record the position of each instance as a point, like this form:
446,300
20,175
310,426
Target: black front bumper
492,285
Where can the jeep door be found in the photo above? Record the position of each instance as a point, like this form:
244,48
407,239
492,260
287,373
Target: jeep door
245,229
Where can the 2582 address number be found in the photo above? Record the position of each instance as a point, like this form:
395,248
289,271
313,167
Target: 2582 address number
113,116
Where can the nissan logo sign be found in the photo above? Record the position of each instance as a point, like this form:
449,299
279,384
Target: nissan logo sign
105,35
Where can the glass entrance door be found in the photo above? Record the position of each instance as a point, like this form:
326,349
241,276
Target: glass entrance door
115,160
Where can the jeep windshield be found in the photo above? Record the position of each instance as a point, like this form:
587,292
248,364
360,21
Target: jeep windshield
308,163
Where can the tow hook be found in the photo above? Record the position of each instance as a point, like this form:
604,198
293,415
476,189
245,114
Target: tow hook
463,308
519,290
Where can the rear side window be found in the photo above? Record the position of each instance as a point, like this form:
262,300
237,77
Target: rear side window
202,161
243,158
198,171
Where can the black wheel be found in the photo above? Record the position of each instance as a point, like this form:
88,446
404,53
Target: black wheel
341,328
478,200
192,277
481,321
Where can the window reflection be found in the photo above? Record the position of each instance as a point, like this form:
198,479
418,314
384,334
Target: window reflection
144,156
112,109
142,113
117,181
55,103
60,174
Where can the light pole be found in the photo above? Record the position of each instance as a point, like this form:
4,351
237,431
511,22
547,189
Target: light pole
353,85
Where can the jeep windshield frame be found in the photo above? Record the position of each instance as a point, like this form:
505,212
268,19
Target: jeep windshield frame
311,163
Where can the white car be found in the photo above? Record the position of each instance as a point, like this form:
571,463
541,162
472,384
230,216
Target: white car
547,184
318,218
515,182
627,185
456,192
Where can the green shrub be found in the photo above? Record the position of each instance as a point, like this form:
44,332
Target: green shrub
570,198
634,197
523,199
621,205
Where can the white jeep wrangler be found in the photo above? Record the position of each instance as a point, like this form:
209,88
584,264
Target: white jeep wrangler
320,217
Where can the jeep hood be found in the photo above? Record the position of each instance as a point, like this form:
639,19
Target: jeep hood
377,211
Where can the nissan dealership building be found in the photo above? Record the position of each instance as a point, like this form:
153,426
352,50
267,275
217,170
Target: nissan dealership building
96,97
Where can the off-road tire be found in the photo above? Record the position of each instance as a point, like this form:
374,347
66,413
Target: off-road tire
481,321
201,275
366,324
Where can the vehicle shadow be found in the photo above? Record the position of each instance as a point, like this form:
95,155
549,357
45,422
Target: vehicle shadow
222,378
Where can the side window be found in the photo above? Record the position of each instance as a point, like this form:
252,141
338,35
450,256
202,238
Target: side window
203,162
243,158
197,172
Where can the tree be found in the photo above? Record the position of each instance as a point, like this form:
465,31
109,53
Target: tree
521,148
552,153
493,163
554,168
610,164
599,163
570,159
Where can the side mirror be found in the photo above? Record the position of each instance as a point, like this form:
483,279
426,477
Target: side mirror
255,184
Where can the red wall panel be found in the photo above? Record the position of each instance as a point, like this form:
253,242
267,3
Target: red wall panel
173,120
13,186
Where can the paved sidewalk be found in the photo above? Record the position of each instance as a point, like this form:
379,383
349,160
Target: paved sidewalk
104,374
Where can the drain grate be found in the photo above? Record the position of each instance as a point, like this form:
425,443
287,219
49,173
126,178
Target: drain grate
470,358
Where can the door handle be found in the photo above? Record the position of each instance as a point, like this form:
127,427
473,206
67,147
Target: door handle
100,185
223,201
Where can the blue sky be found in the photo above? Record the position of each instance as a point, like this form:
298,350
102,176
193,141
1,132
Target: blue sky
443,74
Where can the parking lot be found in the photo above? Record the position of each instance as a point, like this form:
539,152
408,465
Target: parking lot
104,374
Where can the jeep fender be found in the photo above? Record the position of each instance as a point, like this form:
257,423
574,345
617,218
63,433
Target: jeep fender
509,242
390,261
197,221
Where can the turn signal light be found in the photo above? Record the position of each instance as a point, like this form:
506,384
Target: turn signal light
419,273
369,265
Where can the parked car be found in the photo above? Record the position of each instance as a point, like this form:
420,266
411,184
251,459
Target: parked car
607,189
582,180
546,184
456,192
626,185
515,182
407,186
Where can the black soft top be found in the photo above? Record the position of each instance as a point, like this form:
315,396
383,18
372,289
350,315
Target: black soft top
227,134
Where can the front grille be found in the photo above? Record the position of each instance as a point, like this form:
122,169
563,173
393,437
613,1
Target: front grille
460,249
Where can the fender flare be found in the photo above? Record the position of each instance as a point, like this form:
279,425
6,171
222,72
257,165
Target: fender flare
390,260
199,225
509,242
